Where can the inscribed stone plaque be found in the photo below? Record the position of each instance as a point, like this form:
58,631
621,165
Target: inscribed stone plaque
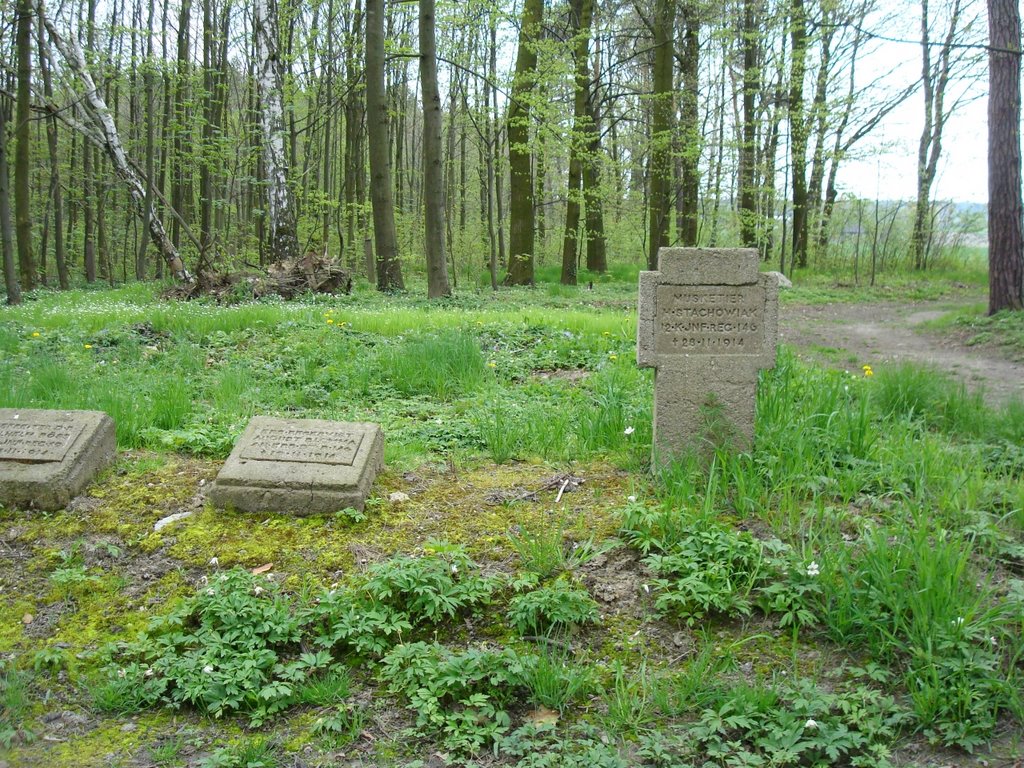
48,457
302,466
707,322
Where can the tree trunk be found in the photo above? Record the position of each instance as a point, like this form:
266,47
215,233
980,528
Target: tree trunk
747,211
389,266
521,188
659,164
798,130
580,13
433,181
11,283
691,133
22,156
56,192
1005,208
934,79
284,242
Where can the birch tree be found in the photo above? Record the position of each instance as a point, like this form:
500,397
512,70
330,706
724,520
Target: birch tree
102,131
284,242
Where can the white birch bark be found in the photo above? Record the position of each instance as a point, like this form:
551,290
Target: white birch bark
95,109
284,243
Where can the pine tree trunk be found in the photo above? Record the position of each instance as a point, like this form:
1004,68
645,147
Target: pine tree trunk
1005,208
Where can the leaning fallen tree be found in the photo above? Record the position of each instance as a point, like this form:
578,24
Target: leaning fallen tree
102,131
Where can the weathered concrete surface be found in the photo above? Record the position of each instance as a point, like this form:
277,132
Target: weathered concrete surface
707,322
48,457
300,466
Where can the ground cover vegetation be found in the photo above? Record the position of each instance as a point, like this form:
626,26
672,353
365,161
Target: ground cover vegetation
849,593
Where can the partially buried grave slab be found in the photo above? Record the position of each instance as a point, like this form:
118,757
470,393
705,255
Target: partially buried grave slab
302,466
48,457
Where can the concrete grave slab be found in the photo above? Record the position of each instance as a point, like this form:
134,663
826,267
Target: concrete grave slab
707,323
300,466
48,457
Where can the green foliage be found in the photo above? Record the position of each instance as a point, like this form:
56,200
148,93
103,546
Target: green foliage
346,620
462,698
430,588
341,726
332,687
14,706
441,366
554,679
255,753
794,725
542,746
556,607
232,647
912,598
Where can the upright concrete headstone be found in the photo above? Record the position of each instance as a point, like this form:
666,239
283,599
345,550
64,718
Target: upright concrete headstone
708,322
302,466
48,457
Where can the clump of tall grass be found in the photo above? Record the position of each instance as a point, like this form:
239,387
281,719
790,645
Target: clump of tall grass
908,596
444,365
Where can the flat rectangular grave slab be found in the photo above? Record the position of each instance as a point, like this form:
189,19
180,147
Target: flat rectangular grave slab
48,457
300,466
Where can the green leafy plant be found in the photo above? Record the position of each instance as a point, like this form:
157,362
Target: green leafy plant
460,697
711,570
341,726
231,647
255,753
432,587
557,607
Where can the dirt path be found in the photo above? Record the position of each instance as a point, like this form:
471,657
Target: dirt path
850,335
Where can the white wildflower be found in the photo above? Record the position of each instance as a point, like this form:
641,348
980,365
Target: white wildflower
813,569
149,672
628,431
811,724
214,562
631,499
208,669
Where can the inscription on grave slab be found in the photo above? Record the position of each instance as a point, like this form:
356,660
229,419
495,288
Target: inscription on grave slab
48,457
707,322
318,446
26,439
301,466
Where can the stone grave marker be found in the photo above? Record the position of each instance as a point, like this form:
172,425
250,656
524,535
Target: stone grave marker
48,457
302,466
707,323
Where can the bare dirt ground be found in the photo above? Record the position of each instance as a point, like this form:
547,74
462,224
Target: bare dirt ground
877,333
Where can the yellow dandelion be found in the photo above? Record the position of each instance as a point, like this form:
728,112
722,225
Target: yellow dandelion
88,346
36,334
492,364
330,321
612,356
606,333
